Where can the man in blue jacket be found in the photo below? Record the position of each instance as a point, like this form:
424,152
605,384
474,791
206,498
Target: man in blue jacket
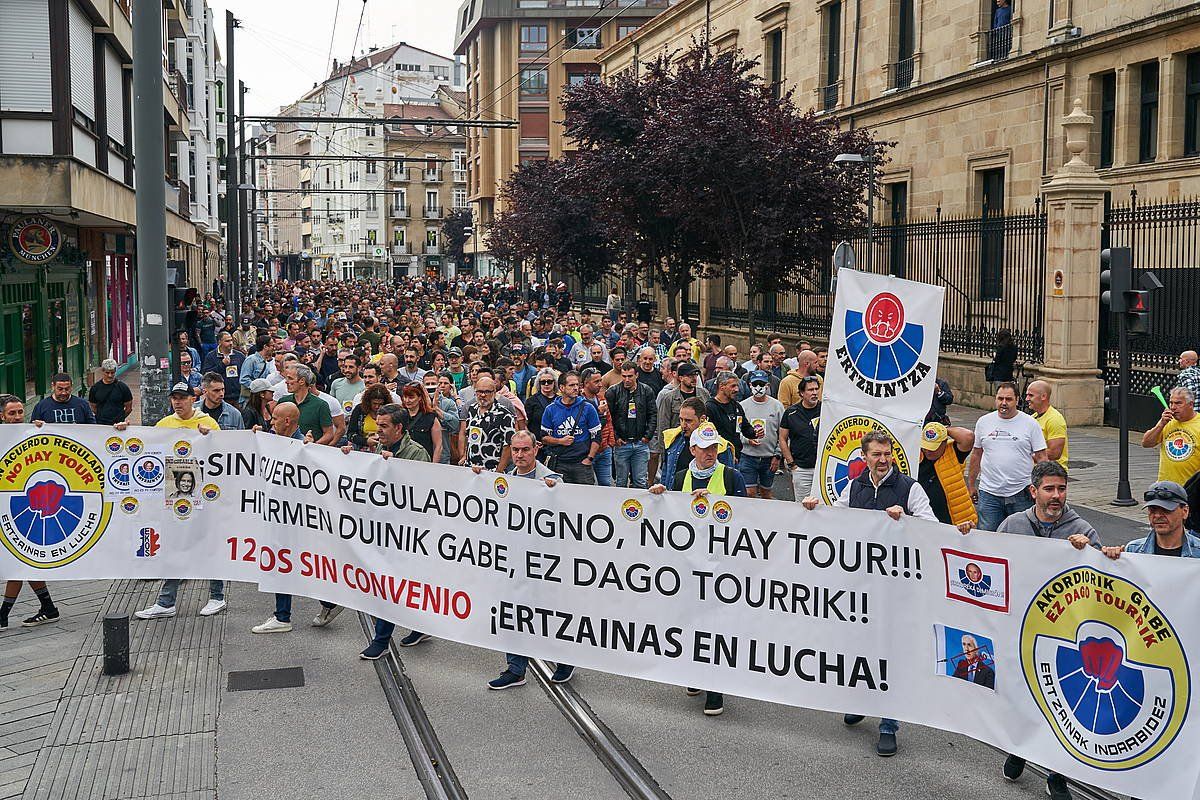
1167,508
570,429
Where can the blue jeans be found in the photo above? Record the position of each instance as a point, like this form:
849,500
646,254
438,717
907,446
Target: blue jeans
602,464
888,725
994,509
383,632
170,588
632,464
517,664
283,607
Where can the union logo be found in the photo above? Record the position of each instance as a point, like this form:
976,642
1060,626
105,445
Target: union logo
129,505
501,486
1105,668
700,507
134,447
147,542
148,472
52,507
1180,445
210,492
631,510
841,456
182,448
182,508
118,475
882,352
114,445
722,511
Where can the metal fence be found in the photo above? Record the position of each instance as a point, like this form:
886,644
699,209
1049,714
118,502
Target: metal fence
1164,236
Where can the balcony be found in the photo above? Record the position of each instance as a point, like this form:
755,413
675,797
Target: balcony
432,176
459,175
431,250
995,44
399,212
401,175
829,96
401,249
901,74
431,212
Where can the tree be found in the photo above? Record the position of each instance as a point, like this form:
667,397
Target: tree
454,233
552,219
760,173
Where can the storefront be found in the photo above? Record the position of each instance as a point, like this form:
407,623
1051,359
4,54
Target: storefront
44,325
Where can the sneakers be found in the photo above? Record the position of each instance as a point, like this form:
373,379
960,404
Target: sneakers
714,704
1056,787
213,607
692,691
326,616
1013,767
272,625
155,612
562,673
41,618
414,638
374,651
886,746
507,680
852,719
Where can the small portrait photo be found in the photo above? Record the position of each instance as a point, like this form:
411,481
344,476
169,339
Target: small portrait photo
965,655
181,482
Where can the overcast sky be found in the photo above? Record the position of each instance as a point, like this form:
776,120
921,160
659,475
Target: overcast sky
283,46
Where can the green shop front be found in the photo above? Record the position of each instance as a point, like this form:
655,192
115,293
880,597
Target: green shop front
44,315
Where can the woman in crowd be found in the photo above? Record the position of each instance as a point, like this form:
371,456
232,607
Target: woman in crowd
424,426
361,430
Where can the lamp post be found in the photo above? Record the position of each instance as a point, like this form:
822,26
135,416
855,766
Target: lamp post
869,163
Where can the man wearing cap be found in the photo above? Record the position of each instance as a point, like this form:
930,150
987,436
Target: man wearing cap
1167,508
705,475
671,399
760,453
523,371
798,436
676,453
943,452
1177,435
183,403
881,487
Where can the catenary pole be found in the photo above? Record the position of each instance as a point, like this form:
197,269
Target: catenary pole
151,205
232,256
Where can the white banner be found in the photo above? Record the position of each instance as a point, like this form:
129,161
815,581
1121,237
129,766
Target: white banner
1071,660
883,355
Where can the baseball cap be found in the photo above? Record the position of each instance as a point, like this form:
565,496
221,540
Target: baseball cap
687,368
181,388
933,435
758,376
260,385
1167,495
519,350
706,436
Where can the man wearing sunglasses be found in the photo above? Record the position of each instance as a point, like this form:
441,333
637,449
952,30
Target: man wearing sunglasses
1167,508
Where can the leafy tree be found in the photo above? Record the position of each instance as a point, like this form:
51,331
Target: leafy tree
454,233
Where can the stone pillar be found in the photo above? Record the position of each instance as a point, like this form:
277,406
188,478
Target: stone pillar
1172,87
1074,213
1125,131
702,319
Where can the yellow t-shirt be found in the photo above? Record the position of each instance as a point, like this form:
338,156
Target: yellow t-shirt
192,422
1179,451
369,425
1054,426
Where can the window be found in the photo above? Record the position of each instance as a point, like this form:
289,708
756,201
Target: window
626,30
398,236
1191,107
991,231
372,235
370,167
535,125
533,38
400,199
1108,117
774,61
460,160
408,67
534,84
902,69
459,198
1148,118
431,237
832,31
581,76
369,131
584,38
897,195
372,203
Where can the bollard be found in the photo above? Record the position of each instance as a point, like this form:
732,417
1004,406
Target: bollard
116,644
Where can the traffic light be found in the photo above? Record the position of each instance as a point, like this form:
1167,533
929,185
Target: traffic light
1137,312
1116,278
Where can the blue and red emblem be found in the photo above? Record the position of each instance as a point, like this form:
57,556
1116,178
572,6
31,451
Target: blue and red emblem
46,514
882,353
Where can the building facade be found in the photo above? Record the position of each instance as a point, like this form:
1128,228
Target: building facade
520,54
68,263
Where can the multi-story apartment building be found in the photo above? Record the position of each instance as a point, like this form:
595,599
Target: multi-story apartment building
67,265
335,224
520,54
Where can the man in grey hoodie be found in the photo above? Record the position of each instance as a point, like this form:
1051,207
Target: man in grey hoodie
1050,518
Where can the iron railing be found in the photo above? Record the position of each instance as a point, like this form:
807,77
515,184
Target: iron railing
902,73
995,44
829,96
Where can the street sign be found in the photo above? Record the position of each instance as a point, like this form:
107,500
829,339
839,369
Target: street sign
433,261
843,256
379,252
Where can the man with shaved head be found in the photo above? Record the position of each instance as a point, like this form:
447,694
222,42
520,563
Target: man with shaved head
1189,375
1050,419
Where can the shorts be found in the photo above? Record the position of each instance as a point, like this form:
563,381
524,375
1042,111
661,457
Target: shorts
756,470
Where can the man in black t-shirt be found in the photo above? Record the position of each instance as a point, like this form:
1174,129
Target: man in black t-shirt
645,308
727,414
798,436
110,399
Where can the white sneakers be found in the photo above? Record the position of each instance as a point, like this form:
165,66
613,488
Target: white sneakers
213,607
155,612
326,616
272,625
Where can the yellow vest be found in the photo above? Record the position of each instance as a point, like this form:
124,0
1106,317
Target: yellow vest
950,476
716,481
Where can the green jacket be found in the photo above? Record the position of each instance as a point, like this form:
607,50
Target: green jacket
408,450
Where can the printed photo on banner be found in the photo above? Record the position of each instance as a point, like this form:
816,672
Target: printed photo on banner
965,655
183,481
839,439
979,580
883,344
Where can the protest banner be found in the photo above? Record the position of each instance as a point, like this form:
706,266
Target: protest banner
1065,657
883,354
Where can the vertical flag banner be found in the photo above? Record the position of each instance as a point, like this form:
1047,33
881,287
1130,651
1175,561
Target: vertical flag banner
883,358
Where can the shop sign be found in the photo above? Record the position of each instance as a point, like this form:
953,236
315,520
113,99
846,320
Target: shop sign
34,240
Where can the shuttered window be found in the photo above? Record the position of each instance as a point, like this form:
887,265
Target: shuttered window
114,95
83,82
25,56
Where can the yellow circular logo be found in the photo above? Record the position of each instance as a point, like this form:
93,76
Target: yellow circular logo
700,506
1105,667
114,445
722,511
501,486
1179,445
129,505
52,507
182,448
631,510
841,456
183,508
134,446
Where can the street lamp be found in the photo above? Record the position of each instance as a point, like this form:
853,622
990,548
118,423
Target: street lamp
869,162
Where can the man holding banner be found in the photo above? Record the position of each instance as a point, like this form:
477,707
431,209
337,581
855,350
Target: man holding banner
1008,442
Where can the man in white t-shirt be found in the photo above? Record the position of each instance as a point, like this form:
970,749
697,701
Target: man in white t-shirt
1008,443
